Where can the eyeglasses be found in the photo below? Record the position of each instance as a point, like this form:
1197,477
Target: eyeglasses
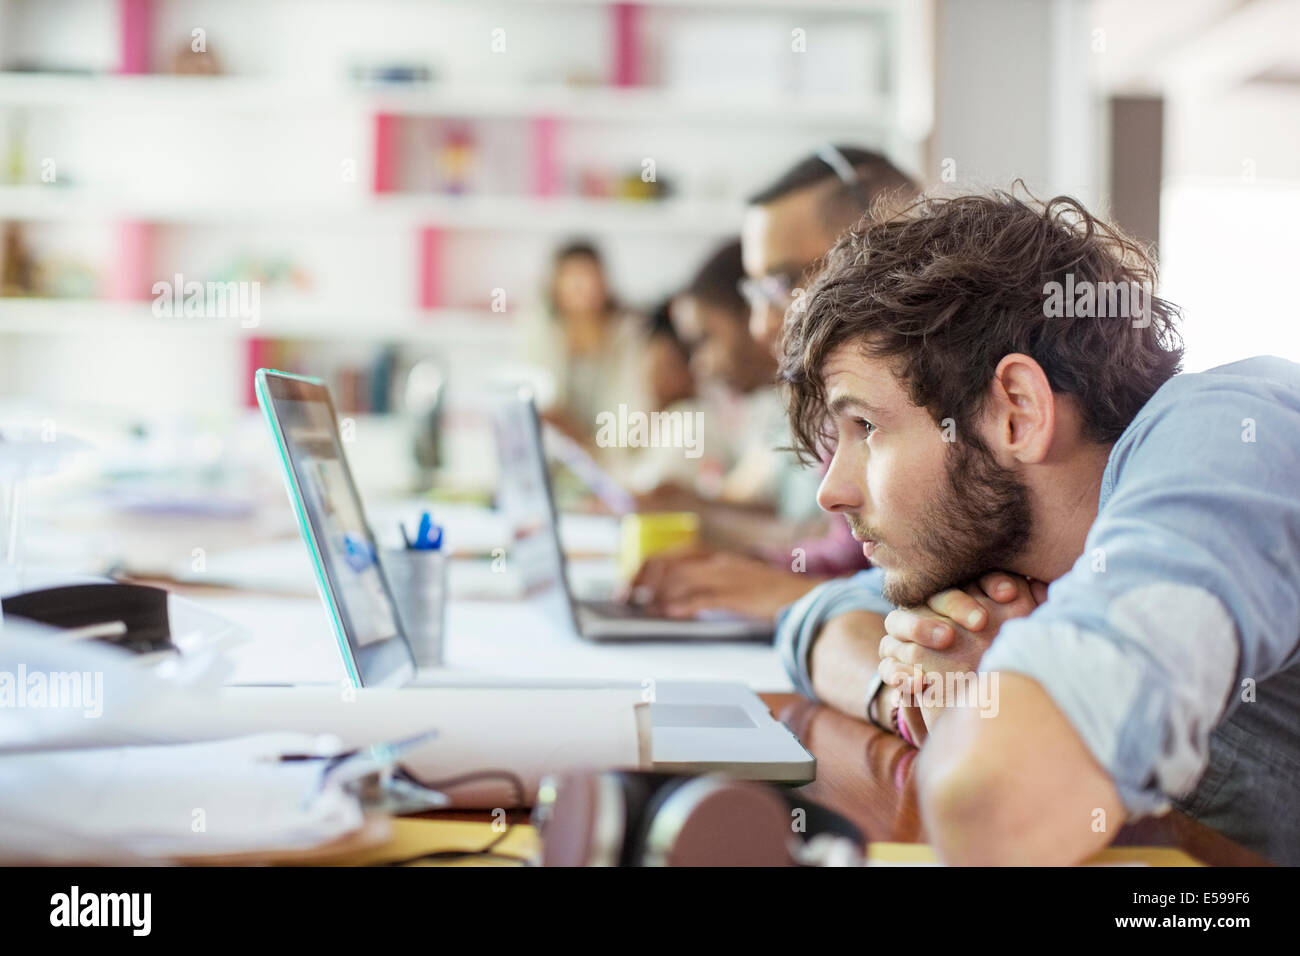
775,290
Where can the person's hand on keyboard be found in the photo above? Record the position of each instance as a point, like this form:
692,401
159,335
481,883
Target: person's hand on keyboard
681,584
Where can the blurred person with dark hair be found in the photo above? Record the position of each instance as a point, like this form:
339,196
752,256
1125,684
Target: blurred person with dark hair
764,565
671,388
668,360
735,384
712,315
790,225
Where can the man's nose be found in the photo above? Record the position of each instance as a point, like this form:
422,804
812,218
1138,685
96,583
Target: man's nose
840,490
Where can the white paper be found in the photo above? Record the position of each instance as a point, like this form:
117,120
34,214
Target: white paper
134,804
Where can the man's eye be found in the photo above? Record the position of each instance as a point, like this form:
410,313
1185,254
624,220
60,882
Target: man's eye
865,425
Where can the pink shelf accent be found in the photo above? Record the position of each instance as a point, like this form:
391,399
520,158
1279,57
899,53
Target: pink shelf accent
258,353
626,28
136,29
386,132
546,166
429,268
131,279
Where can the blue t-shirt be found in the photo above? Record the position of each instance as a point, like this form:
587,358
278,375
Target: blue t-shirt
1173,644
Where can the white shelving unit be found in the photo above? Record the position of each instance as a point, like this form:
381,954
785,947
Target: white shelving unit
515,213
575,103
210,160
446,327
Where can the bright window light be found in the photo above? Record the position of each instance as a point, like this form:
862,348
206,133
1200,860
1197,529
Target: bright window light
1229,255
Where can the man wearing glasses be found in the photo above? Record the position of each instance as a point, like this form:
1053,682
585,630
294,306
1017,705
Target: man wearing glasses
788,227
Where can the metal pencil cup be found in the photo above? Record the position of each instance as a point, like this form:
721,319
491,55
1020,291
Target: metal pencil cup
418,579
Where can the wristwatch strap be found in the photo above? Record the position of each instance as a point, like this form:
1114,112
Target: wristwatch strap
873,689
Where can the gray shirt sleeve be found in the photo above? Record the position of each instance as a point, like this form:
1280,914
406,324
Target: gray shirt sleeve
798,625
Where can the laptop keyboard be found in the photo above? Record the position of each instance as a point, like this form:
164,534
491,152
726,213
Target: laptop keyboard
617,609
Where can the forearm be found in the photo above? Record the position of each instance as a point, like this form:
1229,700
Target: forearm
1020,788
844,659
799,625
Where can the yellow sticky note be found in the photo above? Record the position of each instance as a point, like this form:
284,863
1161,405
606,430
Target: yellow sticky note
642,535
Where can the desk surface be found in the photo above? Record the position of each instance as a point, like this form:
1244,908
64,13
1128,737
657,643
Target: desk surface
865,775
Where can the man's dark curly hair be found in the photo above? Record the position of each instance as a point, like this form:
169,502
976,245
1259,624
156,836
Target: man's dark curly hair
948,286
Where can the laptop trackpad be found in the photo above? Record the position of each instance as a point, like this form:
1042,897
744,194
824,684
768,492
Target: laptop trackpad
699,715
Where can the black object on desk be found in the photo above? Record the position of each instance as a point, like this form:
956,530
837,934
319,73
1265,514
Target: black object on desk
138,609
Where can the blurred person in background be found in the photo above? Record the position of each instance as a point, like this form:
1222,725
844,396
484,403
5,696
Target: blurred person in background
596,356
668,360
734,379
671,388
713,316
593,352
757,567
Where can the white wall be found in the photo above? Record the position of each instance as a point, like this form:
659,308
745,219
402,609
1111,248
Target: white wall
1013,96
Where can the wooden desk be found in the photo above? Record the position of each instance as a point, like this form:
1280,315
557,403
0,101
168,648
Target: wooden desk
865,775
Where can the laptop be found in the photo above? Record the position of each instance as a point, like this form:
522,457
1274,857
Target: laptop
697,727
526,499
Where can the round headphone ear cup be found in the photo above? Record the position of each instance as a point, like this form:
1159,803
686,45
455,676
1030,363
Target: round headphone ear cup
583,820
713,821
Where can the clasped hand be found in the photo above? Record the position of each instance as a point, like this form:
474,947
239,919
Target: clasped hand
949,635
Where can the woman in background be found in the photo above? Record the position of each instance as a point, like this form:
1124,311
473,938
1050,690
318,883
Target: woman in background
593,351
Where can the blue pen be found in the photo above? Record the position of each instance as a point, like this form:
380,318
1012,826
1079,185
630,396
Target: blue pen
357,553
422,535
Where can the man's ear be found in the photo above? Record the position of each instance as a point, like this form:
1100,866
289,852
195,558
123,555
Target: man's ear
1023,409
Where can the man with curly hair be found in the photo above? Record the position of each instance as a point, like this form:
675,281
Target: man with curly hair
1085,599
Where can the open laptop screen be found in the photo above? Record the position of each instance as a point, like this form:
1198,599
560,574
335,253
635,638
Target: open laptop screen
524,497
334,528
